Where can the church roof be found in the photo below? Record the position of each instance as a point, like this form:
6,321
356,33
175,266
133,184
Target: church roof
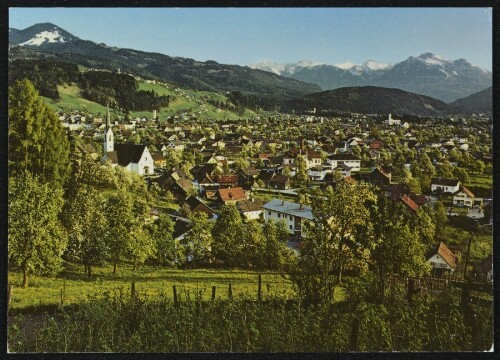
127,153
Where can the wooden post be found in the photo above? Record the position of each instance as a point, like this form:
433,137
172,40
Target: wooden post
230,292
175,295
132,289
355,334
9,297
64,284
62,296
259,289
213,292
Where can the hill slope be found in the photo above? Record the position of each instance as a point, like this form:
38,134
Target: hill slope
367,100
481,102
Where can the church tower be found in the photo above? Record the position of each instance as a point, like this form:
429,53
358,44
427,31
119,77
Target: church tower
108,136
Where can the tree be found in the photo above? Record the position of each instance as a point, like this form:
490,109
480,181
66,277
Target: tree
140,245
226,234
276,252
446,169
168,253
87,228
398,248
301,176
336,236
441,218
251,247
462,175
37,141
118,213
36,237
198,242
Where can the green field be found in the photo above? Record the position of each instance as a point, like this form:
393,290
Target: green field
149,281
183,101
70,100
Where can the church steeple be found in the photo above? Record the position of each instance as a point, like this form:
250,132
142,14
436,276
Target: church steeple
108,135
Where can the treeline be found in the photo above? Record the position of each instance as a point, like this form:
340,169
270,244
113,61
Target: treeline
44,74
103,87
252,102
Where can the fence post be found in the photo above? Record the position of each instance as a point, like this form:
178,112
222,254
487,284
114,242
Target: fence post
62,296
175,295
259,289
64,284
230,292
213,292
132,289
9,297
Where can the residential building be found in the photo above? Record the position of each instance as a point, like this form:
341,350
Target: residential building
293,214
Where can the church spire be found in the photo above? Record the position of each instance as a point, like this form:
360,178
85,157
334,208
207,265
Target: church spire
108,135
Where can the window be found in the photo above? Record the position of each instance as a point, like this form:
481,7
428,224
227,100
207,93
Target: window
269,213
291,218
291,227
279,215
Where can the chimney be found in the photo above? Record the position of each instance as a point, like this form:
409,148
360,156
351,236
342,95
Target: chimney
301,206
282,202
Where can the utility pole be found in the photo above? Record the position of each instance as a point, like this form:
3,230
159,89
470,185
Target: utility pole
472,227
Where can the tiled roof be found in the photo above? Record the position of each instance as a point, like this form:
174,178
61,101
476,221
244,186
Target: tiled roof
443,251
409,202
444,182
343,157
234,194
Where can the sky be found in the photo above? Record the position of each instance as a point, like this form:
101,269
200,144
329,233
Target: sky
246,36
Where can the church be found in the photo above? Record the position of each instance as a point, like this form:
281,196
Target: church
135,158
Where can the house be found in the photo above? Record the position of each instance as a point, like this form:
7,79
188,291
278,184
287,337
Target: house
197,205
347,159
442,259
231,195
380,176
159,159
312,158
280,182
465,197
227,180
250,209
484,268
317,173
343,169
134,158
445,185
294,215
409,203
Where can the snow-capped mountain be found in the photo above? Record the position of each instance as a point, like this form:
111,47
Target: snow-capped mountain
427,74
40,34
284,68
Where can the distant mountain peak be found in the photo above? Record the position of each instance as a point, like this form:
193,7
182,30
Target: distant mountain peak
346,65
40,34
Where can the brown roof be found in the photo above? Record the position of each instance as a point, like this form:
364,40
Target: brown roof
409,202
249,205
227,179
376,144
235,194
350,180
446,254
467,192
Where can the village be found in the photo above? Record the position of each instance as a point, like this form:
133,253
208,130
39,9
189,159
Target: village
263,165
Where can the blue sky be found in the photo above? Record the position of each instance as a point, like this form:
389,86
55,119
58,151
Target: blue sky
246,36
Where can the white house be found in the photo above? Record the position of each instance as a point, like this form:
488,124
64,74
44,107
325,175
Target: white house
292,214
445,185
442,258
350,160
317,173
465,197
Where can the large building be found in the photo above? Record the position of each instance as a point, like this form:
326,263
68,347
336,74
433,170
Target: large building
292,214
135,158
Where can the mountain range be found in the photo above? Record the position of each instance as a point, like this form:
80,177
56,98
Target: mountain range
456,82
427,74
50,41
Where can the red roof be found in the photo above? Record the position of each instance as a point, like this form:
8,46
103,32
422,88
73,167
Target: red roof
409,202
234,194
447,255
467,192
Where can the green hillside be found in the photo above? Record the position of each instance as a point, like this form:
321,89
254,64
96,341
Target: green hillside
183,102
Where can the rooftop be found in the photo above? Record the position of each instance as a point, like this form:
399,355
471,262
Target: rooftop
289,208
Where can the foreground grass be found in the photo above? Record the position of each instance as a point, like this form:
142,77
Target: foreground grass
149,281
